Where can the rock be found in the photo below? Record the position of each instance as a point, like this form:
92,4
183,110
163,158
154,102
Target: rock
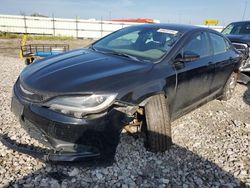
124,186
44,183
86,179
74,172
165,181
54,184
99,175
28,185
185,186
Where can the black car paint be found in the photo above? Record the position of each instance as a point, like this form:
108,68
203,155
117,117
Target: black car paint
86,71
239,38
245,39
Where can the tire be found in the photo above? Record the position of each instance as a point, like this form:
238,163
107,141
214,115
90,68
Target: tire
158,126
27,61
229,87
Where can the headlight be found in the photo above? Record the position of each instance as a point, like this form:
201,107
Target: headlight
81,105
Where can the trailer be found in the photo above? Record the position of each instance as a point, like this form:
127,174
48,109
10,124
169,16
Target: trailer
32,52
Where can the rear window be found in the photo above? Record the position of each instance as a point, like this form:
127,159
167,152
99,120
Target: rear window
218,43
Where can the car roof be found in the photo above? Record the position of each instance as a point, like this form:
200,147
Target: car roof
177,27
247,21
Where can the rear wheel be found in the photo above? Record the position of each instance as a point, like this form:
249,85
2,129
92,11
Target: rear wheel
229,87
158,129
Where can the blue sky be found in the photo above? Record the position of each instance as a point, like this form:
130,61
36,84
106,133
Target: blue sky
179,11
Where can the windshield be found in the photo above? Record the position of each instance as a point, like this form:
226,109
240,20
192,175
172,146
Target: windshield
237,29
147,44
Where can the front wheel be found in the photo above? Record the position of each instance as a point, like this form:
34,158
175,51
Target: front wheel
229,87
158,129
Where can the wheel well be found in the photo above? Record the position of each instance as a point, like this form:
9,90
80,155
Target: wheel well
145,101
138,124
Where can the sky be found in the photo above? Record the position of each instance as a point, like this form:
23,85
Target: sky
169,11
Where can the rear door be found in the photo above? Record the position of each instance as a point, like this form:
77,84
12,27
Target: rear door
195,77
224,61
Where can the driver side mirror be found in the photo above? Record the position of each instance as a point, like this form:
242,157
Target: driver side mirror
188,56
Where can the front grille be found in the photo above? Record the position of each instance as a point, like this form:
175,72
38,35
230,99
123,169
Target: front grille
34,132
27,94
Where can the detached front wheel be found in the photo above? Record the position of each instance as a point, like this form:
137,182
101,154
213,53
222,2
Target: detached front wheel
158,129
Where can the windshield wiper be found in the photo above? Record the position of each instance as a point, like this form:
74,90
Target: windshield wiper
93,48
123,55
115,53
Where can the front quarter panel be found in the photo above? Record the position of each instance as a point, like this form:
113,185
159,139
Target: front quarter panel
161,79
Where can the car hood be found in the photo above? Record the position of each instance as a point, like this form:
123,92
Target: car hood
81,71
240,38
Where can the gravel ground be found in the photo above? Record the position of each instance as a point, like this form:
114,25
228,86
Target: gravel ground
211,149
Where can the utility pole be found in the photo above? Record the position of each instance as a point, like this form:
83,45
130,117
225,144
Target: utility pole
77,26
53,22
245,9
101,27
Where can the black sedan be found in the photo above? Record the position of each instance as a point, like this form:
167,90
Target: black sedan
148,75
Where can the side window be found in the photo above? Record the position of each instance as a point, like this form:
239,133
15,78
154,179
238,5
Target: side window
218,43
199,44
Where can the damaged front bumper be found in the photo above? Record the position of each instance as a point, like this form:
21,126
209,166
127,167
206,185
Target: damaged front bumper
45,154
69,139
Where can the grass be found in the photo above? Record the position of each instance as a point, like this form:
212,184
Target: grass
33,37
